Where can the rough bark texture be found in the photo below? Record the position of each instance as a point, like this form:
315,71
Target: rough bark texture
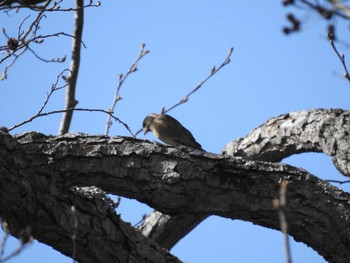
38,173
168,230
317,130
33,194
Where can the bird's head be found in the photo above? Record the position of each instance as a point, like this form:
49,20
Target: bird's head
147,122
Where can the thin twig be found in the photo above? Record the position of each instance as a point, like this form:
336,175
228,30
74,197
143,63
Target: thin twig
338,182
70,101
3,243
213,71
54,60
53,89
318,8
35,22
25,237
72,109
280,205
56,7
4,72
121,79
14,253
28,36
341,57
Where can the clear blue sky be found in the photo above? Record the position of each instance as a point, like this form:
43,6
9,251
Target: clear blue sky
270,74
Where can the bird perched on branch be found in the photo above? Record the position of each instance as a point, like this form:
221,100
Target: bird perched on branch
169,130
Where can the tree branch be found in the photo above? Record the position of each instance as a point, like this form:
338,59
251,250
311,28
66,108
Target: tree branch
317,130
172,181
121,80
70,101
45,206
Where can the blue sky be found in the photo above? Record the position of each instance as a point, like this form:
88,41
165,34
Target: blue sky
269,74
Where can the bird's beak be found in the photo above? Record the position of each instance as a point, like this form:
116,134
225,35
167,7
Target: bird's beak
145,131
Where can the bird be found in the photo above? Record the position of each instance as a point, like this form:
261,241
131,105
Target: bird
169,130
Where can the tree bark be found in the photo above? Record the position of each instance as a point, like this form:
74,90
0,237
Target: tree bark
38,174
317,130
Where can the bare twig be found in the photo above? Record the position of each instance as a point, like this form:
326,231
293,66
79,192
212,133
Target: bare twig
56,7
338,182
54,60
72,109
4,239
213,71
18,46
341,57
54,88
35,23
121,79
280,205
25,237
4,72
70,101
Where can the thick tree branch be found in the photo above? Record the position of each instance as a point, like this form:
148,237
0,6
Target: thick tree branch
317,130
170,180
168,230
28,199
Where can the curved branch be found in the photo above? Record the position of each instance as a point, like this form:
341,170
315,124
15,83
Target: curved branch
317,130
43,205
180,181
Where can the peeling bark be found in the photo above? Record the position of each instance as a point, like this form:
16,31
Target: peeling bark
38,173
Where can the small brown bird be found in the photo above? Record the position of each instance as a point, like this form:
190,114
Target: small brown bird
169,130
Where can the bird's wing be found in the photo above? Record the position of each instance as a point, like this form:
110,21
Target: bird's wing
184,136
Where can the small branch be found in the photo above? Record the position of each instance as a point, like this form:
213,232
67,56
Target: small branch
72,109
4,72
341,57
53,89
35,23
70,101
213,71
338,182
56,7
280,205
121,79
25,237
4,226
54,60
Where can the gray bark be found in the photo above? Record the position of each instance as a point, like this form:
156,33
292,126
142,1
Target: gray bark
38,173
317,130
